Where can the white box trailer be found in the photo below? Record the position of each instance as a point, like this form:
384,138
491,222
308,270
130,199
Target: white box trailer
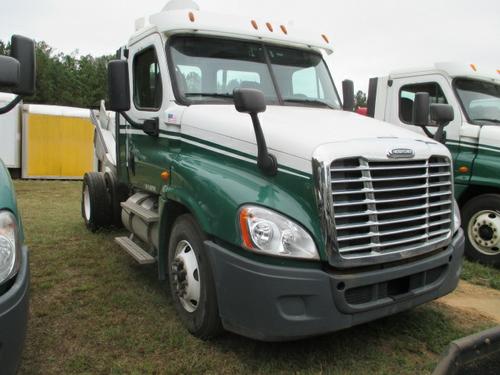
10,133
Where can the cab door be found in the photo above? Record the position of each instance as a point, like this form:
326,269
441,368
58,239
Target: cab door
146,153
440,91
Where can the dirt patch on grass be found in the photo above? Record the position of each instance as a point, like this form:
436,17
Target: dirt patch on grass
476,299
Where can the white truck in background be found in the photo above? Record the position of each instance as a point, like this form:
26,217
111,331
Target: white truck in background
473,138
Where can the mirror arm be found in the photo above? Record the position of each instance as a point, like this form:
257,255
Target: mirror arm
130,121
11,105
438,136
427,132
265,161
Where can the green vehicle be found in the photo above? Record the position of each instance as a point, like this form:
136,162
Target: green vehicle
273,210
17,73
473,138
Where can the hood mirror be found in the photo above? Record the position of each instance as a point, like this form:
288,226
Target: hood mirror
253,102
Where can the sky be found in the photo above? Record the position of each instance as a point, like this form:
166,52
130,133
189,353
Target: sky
370,37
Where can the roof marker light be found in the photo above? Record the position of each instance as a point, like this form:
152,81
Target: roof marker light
254,24
283,28
473,67
325,38
191,16
269,27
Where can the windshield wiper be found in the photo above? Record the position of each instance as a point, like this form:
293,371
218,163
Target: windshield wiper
211,94
309,101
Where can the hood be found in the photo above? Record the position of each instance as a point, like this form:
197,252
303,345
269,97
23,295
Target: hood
290,132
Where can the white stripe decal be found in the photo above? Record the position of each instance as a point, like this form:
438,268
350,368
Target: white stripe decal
214,149
475,147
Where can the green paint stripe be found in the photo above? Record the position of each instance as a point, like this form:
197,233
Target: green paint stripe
222,148
230,150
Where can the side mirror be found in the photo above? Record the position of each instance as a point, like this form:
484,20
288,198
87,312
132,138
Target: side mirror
118,86
252,101
9,71
249,101
348,94
421,109
23,50
442,114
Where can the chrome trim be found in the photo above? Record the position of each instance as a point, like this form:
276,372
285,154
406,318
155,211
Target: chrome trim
325,202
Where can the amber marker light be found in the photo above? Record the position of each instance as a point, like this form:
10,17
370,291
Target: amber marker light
245,234
463,169
165,175
191,16
254,24
473,67
269,27
283,28
498,71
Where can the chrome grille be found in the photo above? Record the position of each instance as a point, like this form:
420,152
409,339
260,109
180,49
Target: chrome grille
384,207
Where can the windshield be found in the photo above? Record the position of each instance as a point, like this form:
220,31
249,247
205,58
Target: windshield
207,70
480,99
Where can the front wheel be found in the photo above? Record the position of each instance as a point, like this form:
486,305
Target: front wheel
481,221
191,280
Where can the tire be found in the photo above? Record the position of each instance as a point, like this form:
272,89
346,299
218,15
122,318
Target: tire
481,223
117,194
96,204
186,243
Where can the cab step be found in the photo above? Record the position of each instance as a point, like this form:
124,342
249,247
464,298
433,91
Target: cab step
145,214
135,251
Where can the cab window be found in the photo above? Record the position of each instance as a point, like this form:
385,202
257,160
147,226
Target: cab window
407,97
147,80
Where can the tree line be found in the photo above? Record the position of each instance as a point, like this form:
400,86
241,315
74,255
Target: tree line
67,79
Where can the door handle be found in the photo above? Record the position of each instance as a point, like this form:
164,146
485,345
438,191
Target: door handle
151,127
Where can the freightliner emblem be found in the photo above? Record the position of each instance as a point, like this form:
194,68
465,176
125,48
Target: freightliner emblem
401,153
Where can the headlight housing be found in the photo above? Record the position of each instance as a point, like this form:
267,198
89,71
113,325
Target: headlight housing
267,232
456,217
9,246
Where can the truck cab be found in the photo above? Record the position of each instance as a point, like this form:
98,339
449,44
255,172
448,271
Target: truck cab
473,138
273,210
17,74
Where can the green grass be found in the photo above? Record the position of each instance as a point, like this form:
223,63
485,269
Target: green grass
481,275
94,311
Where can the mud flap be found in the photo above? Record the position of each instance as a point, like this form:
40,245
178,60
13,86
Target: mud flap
477,354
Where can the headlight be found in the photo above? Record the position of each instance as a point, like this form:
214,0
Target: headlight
9,246
456,216
267,232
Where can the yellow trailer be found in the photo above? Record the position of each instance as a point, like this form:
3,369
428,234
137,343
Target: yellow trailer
57,142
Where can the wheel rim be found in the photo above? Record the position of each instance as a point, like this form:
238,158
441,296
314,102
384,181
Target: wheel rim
186,276
86,202
484,232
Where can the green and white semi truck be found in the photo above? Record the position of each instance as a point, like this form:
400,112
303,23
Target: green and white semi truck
17,74
473,138
273,210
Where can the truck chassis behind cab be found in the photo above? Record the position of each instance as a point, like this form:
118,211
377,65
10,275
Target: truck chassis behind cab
273,213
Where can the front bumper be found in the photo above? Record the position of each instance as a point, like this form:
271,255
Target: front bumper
273,303
14,319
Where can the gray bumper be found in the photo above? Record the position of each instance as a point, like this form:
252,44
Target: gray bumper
274,303
14,319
